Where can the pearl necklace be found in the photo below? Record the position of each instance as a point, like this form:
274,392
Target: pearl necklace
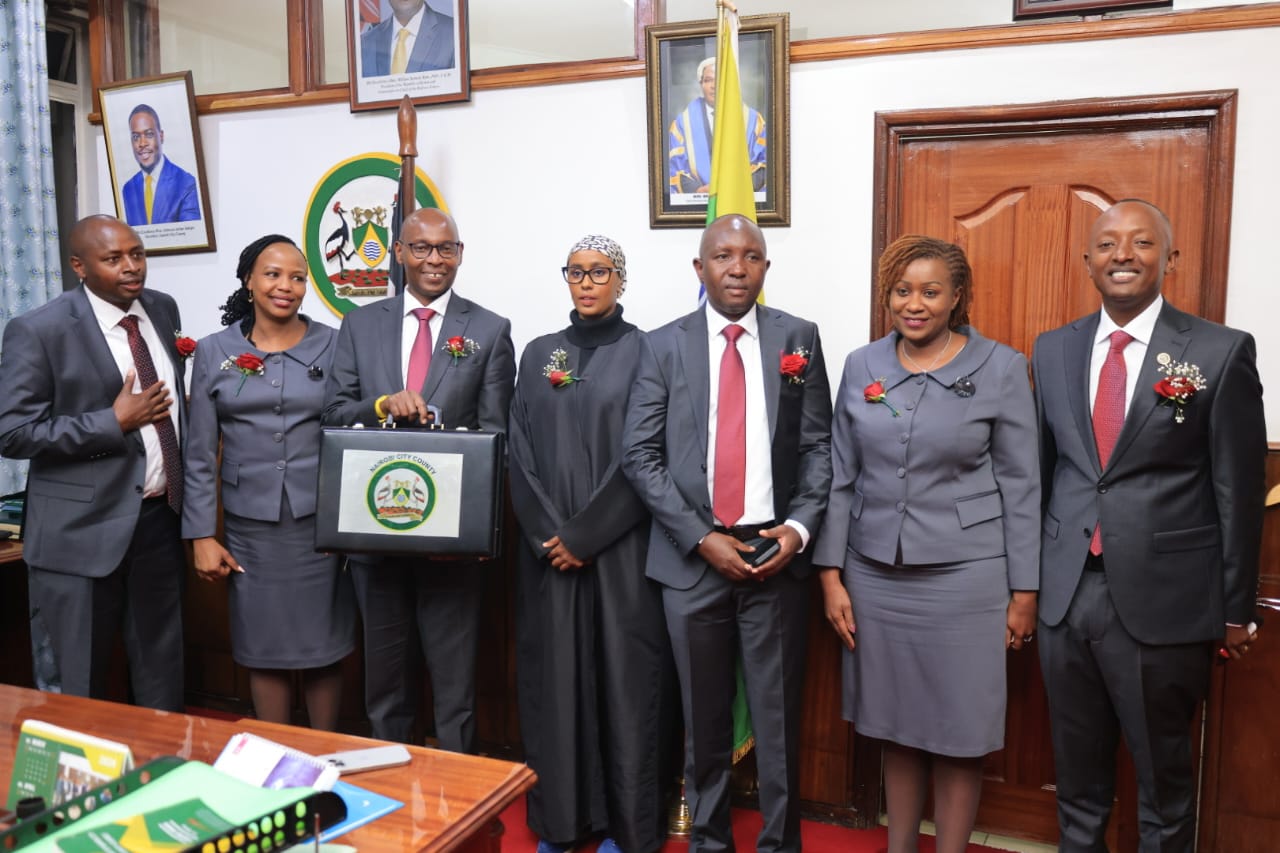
936,358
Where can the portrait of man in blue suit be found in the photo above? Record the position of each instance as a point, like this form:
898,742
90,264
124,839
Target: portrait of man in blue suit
414,37
161,191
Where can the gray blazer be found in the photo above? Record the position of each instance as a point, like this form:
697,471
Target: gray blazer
269,425
84,486
665,438
951,478
1180,503
472,392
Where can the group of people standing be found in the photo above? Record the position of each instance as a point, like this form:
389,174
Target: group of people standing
674,491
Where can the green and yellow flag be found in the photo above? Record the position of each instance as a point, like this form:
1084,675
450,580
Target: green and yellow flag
731,192
730,188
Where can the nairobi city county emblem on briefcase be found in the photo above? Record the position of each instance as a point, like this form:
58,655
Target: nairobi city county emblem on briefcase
401,494
347,230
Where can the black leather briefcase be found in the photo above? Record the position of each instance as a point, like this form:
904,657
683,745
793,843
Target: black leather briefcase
410,491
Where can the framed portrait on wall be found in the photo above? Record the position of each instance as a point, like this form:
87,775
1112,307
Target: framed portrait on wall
1045,8
407,47
681,93
157,162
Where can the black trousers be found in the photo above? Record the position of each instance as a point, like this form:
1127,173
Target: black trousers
403,601
710,625
141,597
1102,683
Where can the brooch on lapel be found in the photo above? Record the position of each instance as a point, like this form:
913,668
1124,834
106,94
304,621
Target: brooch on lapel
964,387
557,370
248,364
792,365
315,371
1181,382
460,347
874,393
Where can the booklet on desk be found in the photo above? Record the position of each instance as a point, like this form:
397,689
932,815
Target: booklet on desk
59,764
268,764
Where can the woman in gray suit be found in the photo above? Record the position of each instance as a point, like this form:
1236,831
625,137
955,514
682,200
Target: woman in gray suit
930,544
259,386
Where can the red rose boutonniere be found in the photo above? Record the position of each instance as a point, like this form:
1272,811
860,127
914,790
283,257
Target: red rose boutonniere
1181,382
186,346
792,365
460,347
874,393
248,364
557,370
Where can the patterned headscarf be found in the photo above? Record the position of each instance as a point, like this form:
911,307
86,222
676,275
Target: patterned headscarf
605,246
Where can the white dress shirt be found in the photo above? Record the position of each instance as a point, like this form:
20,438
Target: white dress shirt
758,495
109,317
1141,328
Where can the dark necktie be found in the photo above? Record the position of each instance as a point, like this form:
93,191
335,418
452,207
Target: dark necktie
146,369
731,433
1108,411
420,355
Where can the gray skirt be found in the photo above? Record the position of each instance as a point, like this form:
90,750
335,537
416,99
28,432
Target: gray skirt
291,608
928,670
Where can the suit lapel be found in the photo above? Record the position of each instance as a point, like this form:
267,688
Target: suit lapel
773,339
694,359
88,330
165,332
1076,357
392,329
454,324
1170,337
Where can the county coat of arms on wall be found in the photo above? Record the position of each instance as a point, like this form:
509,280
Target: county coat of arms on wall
347,229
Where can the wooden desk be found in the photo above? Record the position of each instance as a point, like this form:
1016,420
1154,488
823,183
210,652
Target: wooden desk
451,801
10,551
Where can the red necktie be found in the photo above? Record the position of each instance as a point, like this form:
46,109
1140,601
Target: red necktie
169,453
420,355
1108,411
731,433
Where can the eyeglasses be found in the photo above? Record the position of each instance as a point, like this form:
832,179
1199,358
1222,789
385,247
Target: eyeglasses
448,250
599,275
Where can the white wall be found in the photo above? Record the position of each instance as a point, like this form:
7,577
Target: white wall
525,178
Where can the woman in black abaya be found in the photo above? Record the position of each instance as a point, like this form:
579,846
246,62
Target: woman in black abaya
594,670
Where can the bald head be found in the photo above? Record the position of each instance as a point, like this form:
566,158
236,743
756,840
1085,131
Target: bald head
1129,253
109,258
430,252
731,264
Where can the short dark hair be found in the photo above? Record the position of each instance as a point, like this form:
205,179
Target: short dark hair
899,254
149,110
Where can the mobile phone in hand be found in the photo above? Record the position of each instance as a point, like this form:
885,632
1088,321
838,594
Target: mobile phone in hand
765,548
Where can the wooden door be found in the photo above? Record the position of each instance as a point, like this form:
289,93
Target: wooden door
1019,188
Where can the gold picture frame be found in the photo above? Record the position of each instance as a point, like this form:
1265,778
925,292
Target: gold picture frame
677,101
151,130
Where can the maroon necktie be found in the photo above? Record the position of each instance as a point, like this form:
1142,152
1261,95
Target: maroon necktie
731,433
1108,411
147,376
420,355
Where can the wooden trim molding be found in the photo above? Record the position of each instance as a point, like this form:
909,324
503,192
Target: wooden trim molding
107,61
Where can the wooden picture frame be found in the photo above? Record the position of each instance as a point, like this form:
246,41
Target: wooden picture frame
678,170
437,64
1044,8
149,125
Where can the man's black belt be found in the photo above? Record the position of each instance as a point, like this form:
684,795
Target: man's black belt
743,532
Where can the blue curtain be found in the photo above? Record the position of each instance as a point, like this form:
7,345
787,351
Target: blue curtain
30,271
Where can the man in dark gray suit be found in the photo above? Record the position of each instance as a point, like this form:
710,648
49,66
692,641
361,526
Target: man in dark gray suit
466,378
1152,451
90,383
729,439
